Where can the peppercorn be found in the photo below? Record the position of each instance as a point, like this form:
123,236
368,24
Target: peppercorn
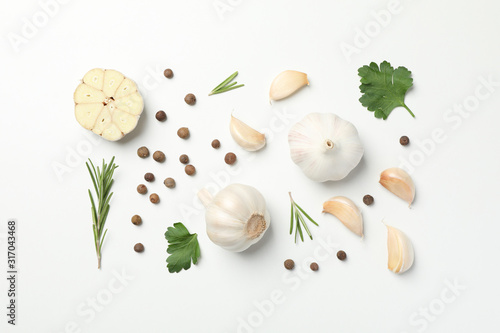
341,255
404,140
183,132
230,158
139,247
190,170
289,264
149,177
161,116
190,99
158,156
169,182
137,220
184,159
154,198
142,189
168,73
368,200
216,144
143,152
314,266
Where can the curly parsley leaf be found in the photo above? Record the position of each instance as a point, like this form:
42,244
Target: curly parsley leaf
182,247
384,88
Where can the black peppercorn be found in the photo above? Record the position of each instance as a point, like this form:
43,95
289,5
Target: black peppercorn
183,132
230,158
184,159
289,264
190,99
154,198
158,156
368,200
149,177
143,152
314,266
137,220
341,255
216,144
404,140
168,73
169,182
190,170
139,247
142,189
161,116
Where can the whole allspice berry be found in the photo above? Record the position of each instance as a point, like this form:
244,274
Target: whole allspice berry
139,247
230,158
341,255
190,170
190,99
404,140
161,115
184,159
183,132
158,156
368,200
142,189
314,266
216,144
289,264
137,220
169,182
168,73
149,177
154,198
143,152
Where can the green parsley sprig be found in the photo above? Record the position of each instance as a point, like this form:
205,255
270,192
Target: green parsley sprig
182,247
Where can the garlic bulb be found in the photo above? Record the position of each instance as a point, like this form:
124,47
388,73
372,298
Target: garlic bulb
236,217
347,212
248,138
398,182
286,84
400,250
325,146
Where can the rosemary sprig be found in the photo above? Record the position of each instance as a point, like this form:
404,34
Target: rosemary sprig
296,213
226,85
102,178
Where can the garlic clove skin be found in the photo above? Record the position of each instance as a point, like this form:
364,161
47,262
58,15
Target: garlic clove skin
347,212
236,217
245,136
400,251
286,84
399,183
325,146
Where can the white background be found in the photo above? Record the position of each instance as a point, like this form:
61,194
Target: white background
453,224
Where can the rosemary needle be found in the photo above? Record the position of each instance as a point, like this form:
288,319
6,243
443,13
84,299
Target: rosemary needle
296,213
226,85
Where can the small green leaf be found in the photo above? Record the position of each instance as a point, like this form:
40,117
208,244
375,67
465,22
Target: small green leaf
183,248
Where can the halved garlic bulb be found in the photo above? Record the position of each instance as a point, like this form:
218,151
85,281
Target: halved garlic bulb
398,182
347,212
325,146
108,103
400,251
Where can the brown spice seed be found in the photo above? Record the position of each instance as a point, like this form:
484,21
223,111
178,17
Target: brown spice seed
314,266
143,152
404,140
190,170
368,200
169,182
168,73
184,159
230,158
190,99
136,219
158,156
341,255
154,198
216,144
142,189
161,116
289,264
139,247
183,132
149,177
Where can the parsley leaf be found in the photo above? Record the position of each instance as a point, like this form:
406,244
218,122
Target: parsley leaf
385,88
182,247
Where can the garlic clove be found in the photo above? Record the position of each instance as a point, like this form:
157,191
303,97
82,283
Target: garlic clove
248,138
287,83
347,212
398,182
400,251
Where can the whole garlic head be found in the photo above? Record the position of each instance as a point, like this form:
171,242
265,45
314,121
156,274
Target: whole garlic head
236,217
325,146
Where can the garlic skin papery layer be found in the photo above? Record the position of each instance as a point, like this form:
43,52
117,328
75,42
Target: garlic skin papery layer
400,251
325,146
245,136
236,217
347,212
399,183
286,84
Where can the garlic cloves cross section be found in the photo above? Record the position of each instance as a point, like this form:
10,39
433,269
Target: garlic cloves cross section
286,84
399,183
400,251
347,212
107,103
248,138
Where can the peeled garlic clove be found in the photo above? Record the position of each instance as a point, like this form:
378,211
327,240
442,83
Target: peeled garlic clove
347,212
400,250
287,83
398,182
248,138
